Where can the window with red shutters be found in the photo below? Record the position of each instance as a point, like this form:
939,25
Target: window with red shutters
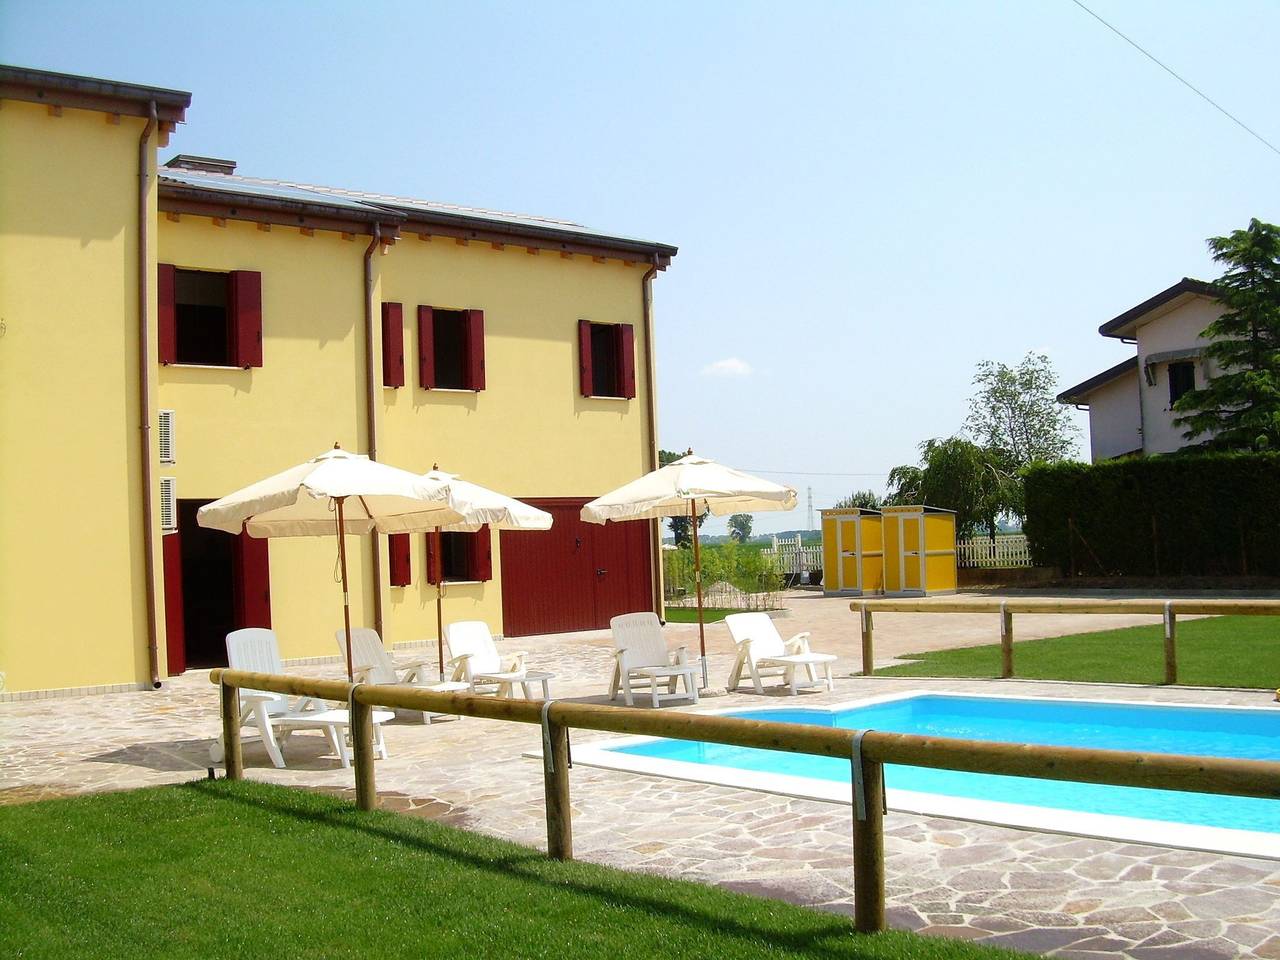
392,345
398,545
450,349
459,557
606,359
211,319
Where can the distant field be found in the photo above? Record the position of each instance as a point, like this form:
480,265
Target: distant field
1213,652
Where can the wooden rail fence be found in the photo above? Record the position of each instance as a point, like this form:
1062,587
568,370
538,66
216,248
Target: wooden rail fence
866,750
1168,610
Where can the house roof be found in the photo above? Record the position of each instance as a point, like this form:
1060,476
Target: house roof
90,93
1080,392
199,179
1124,326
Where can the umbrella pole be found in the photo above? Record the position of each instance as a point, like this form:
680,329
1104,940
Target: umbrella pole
697,584
439,603
346,597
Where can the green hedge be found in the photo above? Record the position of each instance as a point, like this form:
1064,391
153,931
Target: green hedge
1177,515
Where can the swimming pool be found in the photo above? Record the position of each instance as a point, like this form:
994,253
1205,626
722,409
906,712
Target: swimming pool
1235,824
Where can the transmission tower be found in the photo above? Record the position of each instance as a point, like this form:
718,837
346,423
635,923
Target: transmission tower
810,497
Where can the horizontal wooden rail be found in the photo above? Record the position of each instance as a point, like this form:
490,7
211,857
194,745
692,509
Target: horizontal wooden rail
1006,608
1266,608
867,755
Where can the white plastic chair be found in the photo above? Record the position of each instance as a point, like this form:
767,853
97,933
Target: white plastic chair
255,649
475,659
371,662
640,653
762,652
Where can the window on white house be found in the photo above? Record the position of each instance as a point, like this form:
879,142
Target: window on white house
1182,379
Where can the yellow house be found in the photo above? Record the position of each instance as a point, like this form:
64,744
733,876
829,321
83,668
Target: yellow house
171,332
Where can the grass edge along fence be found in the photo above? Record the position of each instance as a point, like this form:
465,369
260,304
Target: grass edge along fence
866,750
1168,610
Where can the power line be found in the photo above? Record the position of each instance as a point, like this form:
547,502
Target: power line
1182,80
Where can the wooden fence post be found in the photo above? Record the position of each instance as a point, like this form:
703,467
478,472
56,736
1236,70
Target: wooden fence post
868,843
555,775
233,758
1170,644
1006,641
868,649
362,746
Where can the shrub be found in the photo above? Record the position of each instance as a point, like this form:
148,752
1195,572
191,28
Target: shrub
1182,514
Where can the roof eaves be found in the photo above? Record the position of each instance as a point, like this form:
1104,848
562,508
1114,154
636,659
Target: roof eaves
177,196
91,93
1081,390
1117,326
523,229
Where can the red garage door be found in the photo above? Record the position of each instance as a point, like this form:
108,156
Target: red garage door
574,576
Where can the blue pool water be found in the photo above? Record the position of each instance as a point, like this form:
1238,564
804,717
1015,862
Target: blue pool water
1251,734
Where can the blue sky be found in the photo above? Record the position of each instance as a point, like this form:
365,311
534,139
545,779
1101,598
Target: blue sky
869,198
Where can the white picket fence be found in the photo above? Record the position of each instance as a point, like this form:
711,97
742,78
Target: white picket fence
1006,551
793,556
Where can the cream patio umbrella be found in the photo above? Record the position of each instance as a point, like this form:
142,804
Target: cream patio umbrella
691,486
335,493
477,506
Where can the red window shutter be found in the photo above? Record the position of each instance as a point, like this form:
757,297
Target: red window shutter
252,582
433,557
398,549
627,360
584,358
174,633
244,296
167,314
475,349
480,555
426,350
392,345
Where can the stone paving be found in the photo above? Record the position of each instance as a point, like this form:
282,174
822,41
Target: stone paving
1066,896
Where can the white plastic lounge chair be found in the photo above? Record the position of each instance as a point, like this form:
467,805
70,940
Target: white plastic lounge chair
641,654
476,661
372,663
762,652
273,715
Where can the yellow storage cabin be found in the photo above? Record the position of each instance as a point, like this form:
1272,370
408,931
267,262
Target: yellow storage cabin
852,552
919,550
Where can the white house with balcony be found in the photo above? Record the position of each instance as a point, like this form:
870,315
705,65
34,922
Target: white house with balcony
1131,404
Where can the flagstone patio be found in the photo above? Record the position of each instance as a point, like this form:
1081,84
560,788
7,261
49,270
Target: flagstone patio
1062,895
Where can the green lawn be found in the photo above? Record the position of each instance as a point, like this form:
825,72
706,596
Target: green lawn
224,869
690,614
1216,652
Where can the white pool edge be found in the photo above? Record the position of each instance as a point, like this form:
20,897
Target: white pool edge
1156,833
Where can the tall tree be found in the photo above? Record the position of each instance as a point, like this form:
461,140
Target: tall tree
1239,407
866,499
740,527
1016,415
679,525
959,475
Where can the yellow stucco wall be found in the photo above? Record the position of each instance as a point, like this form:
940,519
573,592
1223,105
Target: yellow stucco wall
233,426
530,432
72,607
72,583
